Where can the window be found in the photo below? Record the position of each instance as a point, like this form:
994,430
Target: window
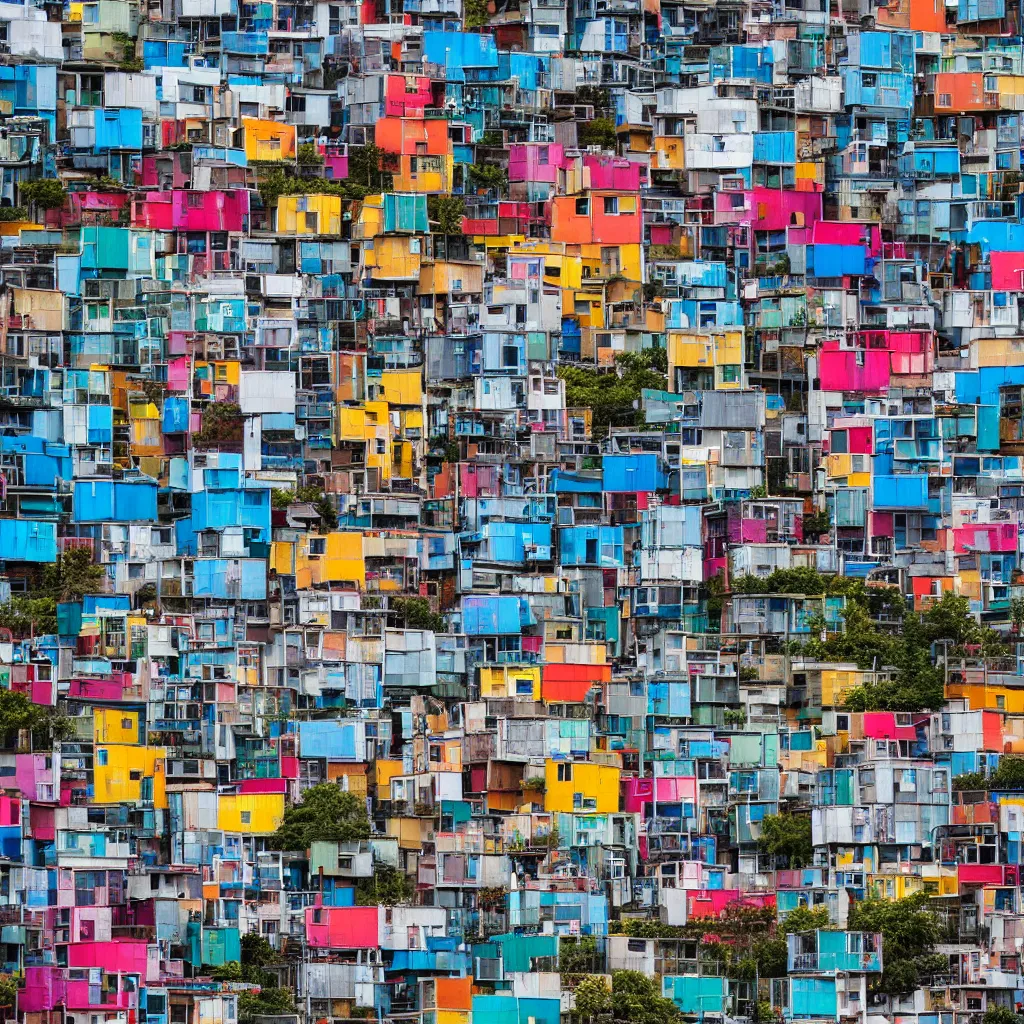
246,817
582,207
565,772
611,205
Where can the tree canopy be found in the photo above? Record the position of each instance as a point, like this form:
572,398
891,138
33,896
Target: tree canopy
327,813
909,932
613,395
907,644
632,997
787,837
386,888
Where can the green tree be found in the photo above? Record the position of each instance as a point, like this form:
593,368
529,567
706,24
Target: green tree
25,616
221,425
595,96
488,176
599,132
231,971
447,213
314,495
1001,1015
308,155
579,956
326,813
1009,773
269,1001
8,991
787,837
476,14
274,184
368,165
387,888
591,998
257,953
638,999
805,919
713,595
43,193
771,957
73,575
950,618
613,395
970,781
18,714
415,613
909,932
816,523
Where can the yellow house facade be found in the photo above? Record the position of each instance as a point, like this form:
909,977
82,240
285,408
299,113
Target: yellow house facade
580,786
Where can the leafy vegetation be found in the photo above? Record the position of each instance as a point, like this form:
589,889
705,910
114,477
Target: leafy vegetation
9,990
127,61
368,174
388,887
43,193
816,523
909,932
370,166
313,495
1009,774
72,575
447,213
18,714
806,919
326,813
69,578
787,837
613,395
415,613
580,956
308,155
632,997
476,14
599,132
747,942
221,425
267,1002
488,176
1001,1015
27,616
917,683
